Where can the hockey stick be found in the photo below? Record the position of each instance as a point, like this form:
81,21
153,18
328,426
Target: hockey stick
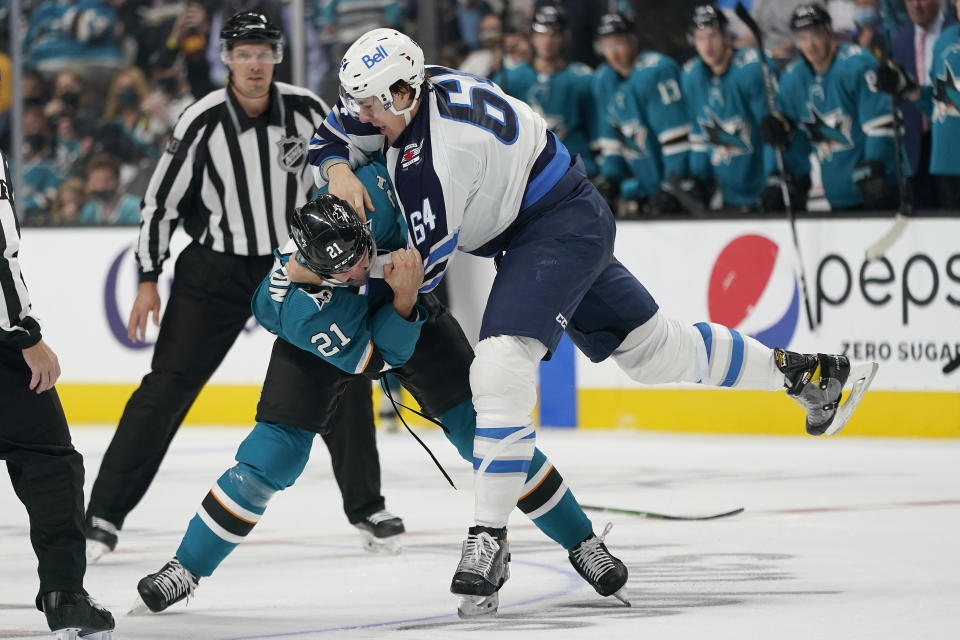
768,89
884,242
951,366
659,516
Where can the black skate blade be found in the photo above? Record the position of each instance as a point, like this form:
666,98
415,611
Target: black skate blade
861,375
622,595
471,607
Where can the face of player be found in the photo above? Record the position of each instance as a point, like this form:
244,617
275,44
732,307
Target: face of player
922,12
620,52
712,46
548,45
816,45
389,123
251,65
356,275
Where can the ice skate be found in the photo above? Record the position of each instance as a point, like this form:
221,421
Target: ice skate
168,586
389,420
101,538
381,532
817,382
73,616
484,567
595,564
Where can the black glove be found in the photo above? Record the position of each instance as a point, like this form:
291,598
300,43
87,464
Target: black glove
890,77
777,130
771,198
875,191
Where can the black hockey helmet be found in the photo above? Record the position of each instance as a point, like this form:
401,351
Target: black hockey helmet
549,18
330,236
615,24
248,26
810,15
707,15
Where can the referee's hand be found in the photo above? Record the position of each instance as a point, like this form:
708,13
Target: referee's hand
148,300
346,186
44,366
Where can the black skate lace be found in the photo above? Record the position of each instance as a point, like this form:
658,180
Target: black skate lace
594,560
173,581
381,516
479,554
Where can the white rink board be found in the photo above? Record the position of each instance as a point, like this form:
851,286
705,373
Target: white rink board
912,333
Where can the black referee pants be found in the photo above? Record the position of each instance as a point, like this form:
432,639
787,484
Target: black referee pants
46,471
208,307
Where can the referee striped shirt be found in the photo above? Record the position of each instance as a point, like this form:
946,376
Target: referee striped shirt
16,323
233,180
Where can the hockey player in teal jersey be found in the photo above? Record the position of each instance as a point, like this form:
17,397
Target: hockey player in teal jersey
724,92
941,102
825,99
560,92
643,124
329,304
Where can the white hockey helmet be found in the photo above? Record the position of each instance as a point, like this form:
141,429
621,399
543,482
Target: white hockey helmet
374,63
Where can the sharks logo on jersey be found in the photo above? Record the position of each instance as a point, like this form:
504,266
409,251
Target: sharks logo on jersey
829,132
727,138
946,95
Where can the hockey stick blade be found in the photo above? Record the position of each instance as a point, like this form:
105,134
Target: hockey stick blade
861,375
659,516
879,248
951,366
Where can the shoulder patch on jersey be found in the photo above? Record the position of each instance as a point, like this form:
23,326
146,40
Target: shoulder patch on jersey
690,64
320,297
648,60
579,68
411,154
173,146
747,56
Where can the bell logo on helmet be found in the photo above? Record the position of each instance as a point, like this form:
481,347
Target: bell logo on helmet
378,55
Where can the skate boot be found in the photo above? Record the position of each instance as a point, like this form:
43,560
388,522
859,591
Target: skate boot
817,381
484,567
595,564
101,538
388,420
76,615
381,532
168,586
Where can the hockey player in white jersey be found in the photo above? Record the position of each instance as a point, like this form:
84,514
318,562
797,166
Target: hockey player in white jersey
477,170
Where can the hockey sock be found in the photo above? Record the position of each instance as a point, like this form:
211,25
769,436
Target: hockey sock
545,497
227,514
737,360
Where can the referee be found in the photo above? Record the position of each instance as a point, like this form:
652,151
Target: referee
233,171
46,471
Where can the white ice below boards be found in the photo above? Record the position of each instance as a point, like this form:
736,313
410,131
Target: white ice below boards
841,537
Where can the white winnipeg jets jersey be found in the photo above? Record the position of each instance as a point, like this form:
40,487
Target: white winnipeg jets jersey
466,165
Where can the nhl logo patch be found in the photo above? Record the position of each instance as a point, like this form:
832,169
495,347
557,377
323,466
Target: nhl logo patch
411,154
293,154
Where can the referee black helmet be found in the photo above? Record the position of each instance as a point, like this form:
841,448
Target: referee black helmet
250,27
330,237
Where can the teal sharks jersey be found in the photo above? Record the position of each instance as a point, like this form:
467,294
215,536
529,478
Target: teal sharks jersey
725,111
840,118
644,126
945,116
564,99
349,327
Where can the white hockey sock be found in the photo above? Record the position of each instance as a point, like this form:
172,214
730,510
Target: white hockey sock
503,379
665,350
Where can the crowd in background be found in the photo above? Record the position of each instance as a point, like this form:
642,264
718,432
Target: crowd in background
104,81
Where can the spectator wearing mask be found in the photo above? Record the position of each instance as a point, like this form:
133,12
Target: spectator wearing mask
489,57
107,204
869,30
40,176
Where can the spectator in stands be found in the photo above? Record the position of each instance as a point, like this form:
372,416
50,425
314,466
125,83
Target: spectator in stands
72,99
108,205
125,130
913,50
470,14
773,18
83,34
70,198
168,97
868,30
40,176
188,37
488,59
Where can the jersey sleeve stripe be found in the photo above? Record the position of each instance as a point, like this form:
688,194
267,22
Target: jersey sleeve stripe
365,358
550,166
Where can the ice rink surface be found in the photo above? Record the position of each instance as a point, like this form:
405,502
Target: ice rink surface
841,538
